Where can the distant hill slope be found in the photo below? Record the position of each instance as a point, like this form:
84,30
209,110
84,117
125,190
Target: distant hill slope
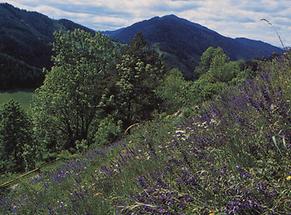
182,42
26,41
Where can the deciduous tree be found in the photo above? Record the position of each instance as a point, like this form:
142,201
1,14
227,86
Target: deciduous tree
70,101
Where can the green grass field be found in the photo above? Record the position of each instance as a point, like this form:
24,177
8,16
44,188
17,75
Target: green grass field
24,98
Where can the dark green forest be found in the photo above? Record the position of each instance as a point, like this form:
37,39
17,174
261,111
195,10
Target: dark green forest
113,131
26,46
17,74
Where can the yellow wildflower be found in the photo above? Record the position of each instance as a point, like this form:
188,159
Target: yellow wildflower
211,212
289,178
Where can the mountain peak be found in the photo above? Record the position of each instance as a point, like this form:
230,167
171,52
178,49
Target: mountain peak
182,42
172,16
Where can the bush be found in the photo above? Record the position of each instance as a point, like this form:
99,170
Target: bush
82,145
108,131
216,72
175,91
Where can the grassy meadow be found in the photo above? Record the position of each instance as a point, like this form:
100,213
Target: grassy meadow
24,98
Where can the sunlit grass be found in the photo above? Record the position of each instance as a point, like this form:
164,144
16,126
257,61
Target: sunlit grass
24,98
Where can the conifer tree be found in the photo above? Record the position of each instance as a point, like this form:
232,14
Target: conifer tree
139,72
16,139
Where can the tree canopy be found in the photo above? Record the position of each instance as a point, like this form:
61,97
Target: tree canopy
70,101
139,73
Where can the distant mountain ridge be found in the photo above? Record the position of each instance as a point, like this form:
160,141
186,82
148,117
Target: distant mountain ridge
28,36
26,45
182,42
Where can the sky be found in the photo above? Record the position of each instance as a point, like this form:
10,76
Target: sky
233,18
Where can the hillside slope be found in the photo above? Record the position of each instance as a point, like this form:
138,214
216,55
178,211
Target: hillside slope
230,157
182,42
26,39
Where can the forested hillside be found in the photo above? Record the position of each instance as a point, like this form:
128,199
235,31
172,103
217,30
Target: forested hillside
17,74
112,131
26,45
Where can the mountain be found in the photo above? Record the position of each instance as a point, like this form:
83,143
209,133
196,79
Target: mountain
182,42
26,44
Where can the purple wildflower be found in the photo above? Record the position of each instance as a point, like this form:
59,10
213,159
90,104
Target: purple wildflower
142,182
243,206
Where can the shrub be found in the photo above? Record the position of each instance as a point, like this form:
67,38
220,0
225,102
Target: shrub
108,131
175,91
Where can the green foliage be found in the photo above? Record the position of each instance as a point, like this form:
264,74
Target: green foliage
204,88
108,130
225,72
216,73
17,146
90,81
210,56
175,91
218,64
68,104
139,73
81,145
67,155
231,157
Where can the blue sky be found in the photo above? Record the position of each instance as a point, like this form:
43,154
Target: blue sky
234,18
